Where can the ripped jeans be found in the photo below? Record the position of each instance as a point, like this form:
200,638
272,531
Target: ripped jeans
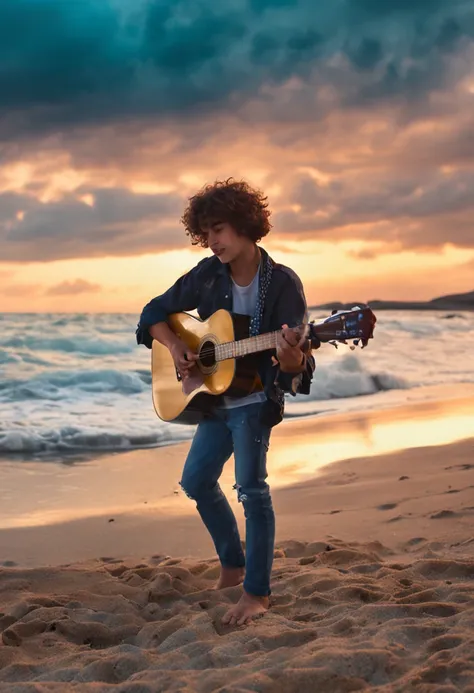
235,431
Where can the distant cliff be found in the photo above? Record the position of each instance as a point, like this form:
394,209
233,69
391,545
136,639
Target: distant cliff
454,302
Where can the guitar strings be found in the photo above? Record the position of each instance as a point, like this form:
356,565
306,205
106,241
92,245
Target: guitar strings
321,334
211,352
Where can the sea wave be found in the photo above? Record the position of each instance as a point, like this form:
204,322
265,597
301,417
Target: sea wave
435,327
74,384
348,377
80,344
67,440
62,384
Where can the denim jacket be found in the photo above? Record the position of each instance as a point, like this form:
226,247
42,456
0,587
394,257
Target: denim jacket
207,288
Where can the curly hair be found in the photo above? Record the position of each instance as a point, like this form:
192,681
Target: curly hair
230,201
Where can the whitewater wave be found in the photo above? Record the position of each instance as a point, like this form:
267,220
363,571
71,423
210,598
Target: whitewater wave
419,329
74,440
83,345
90,411
346,377
21,357
349,378
60,384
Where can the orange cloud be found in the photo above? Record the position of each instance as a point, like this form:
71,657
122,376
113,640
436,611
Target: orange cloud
71,288
20,290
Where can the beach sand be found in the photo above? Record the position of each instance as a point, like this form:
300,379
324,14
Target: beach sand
373,579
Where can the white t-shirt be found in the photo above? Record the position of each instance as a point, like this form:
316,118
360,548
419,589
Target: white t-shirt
244,299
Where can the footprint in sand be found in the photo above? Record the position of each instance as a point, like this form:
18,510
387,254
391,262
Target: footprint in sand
14,636
109,559
397,518
443,514
444,642
462,467
10,638
415,541
387,506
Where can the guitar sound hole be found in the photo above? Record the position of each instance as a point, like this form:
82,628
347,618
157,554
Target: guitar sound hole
207,354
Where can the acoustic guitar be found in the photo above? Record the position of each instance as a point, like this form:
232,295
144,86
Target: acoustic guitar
227,357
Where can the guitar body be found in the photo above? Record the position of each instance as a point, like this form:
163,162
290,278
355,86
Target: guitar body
187,401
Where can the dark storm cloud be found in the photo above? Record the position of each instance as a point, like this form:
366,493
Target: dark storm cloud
391,7
424,212
119,223
65,64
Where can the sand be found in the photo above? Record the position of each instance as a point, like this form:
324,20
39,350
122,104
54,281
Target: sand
373,585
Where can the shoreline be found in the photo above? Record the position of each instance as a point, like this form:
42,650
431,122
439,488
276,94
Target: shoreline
385,498
130,504
299,410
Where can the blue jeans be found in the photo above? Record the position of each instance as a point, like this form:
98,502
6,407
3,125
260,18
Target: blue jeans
235,431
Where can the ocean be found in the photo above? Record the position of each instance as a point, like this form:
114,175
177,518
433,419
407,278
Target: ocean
78,385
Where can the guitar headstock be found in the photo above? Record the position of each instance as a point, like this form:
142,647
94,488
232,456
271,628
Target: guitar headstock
356,325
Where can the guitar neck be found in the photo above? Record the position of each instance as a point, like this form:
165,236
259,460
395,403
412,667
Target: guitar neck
262,342
250,345
356,324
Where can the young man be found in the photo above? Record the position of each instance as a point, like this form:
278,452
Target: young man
229,218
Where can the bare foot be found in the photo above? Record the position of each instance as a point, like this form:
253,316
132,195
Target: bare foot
248,607
230,577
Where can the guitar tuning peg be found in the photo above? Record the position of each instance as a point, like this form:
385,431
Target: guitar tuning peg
356,342
335,344
334,311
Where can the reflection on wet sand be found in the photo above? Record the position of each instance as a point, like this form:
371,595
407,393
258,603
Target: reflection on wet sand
315,443
146,481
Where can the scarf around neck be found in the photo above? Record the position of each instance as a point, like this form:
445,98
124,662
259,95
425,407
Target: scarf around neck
265,270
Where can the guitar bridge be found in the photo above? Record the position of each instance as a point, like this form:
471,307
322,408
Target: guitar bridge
192,382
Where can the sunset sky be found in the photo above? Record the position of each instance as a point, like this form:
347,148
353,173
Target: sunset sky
356,117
